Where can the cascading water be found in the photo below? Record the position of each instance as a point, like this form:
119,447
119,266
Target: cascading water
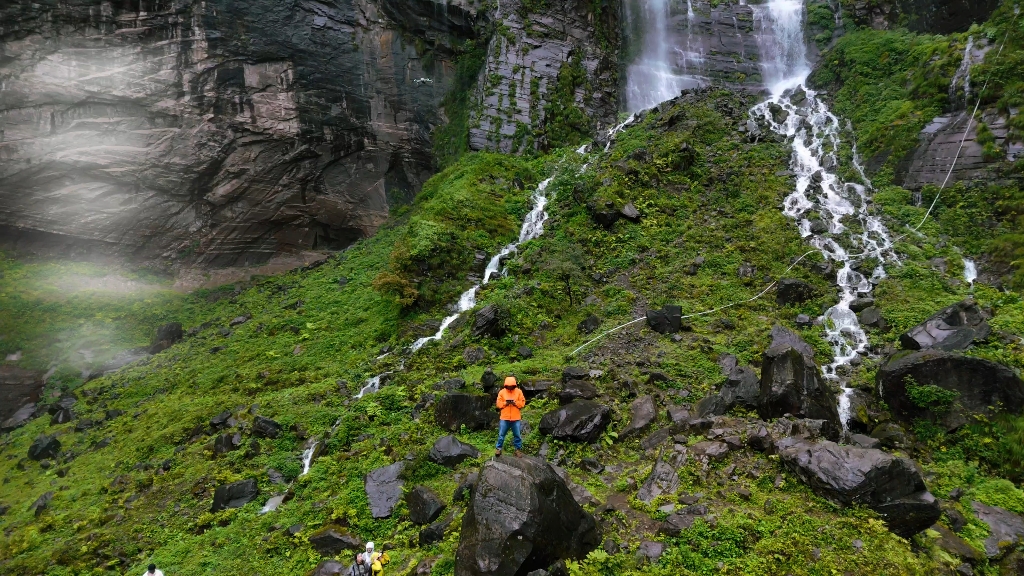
970,271
307,457
853,233
658,73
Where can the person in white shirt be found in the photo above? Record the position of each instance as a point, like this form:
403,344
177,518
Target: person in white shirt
152,571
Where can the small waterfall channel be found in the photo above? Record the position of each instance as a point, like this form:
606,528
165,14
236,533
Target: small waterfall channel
831,212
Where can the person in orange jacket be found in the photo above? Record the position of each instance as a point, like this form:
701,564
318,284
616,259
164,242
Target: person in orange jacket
510,402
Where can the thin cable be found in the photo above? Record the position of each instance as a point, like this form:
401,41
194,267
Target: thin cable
695,314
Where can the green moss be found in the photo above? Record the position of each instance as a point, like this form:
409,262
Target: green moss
451,140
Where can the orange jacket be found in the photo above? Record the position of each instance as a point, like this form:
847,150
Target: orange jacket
513,412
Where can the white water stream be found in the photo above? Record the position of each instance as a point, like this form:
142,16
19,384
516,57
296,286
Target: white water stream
663,69
853,232
970,271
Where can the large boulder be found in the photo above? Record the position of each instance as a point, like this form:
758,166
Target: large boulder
20,417
847,475
265,428
521,518
952,328
663,478
642,413
908,382
474,411
234,495
449,451
793,291
384,489
330,541
577,390
579,421
741,389
487,321
166,336
44,447
668,320
1005,528
792,384
424,505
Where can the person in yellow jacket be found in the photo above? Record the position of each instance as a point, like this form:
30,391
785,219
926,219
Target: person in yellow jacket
375,560
510,402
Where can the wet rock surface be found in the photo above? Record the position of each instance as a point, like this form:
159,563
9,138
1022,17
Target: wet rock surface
974,386
18,387
792,384
953,328
384,489
331,541
1006,529
457,409
424,505
891,486
449,451
579,421
521,518
234,495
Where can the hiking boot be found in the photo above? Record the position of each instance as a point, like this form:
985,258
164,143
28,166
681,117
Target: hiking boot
497,452
519,453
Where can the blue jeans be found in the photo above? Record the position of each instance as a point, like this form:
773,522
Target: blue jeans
503,427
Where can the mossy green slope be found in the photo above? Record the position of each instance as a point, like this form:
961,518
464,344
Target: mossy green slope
703,190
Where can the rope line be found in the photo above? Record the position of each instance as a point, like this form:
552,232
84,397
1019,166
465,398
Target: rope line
963,140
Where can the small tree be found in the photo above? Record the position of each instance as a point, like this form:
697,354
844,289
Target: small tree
565,262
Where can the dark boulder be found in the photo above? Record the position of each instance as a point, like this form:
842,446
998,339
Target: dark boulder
574,373
792,384
861,304
522,517
329,568
450,385
642,413
62,416
265,428
604,215
166,336
234,495
449,451
741,389
577,390
20,417
384,489
489,381
663,478
952,328
872,318
524,352
225,443
629,212
589,324
331,541
793,291
668,320
487,322
579,421
969,386
44,447
424,505
434,533
41,504
1006,529
474,354
847,475
474,411
534,388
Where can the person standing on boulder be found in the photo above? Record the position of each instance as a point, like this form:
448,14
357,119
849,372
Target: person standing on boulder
511,403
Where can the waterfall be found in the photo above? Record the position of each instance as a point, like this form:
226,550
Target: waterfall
970,271
371,386
962,78
307,457
796,112
658,73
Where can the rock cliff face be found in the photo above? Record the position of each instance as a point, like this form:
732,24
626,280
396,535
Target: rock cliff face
219,131
551,73
926,16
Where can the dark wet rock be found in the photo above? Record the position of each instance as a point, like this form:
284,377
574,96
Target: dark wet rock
474,354
44,447
524,352
890,434
793,291
234,495
668,320
1013,563
225,443
847,475
678,414
676,524
329,568
1006,529
166,336
978,385
489,381
604,215
589,324
955,545
384,489
861,304
792,384
450,385
522,517
862,441
574,373
862,412
712,450
642,413
434,533
112,414
62,416
872,318
953,328
449,451
424,505
265,428
41,504
465,489
239,320
275,477
741,389
333,540
457,409
923,17
487,322
577,390
664,478
579,421
591,465
656,438
535,388
220,420
804,321
746,270
66,402
21,416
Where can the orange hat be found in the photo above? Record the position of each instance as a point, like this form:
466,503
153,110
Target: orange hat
510,381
